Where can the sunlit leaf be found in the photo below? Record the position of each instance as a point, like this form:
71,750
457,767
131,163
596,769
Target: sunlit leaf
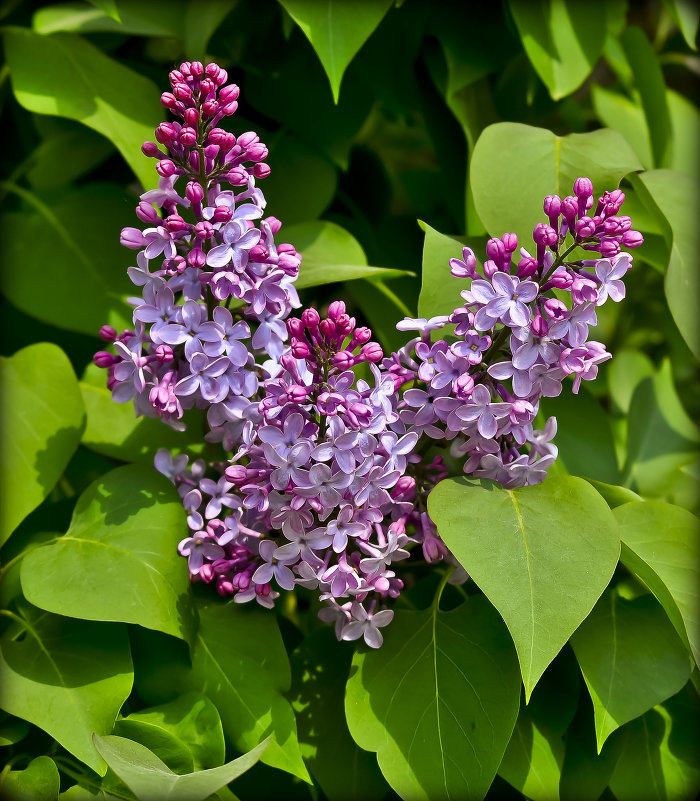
39,781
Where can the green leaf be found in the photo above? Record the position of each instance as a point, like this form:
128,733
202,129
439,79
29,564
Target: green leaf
239,661
515,166
631,659
320,670
439,293
69,677
108,6
627,369
190,724
661,435
438,701
659,760
685,132
668,564
66,76
336,30
118,560
113,428
39,781
676,198
42,419
584,435
614,496
687,16
56,230
155,18
201,20
151,780
617,111
330,253
12,729
519,547
562,40
533,760
652,90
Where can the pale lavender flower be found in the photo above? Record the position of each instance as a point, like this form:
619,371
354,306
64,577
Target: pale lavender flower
367,625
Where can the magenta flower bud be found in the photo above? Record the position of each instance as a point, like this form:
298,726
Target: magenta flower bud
555,309
510,242
496,251
295,327
327,328
261,170
224,586
245,140
197,69
539,325
209,109
188,136
185,68
175,76
552,208
289,264
361,336
206,87
310,318
569,208
612,201
527,267
464,385
560,279
174,266
227,143
614,226
166,132
236,474
204,230
433,549
164,354
609,248
197,258
258,253
168,100
151,150
545,235
583,187
584,227
192,118
175,224
345,324
229,93
238,176
104,359
132,238
336,309
194,192
166,168
212,70
146,213
405,486
297,393
632,239
182,91
343,360
257,152
206,573
222,214
216,136
490,268
300,349
108,333
372,352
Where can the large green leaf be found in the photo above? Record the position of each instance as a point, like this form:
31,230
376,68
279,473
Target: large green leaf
39,781
627,369
514,166
616,110
337,30
661,544
438,701
188,730
542,555
686,15
320,667
631,659
685,132
239,661
562,39
659,760
155,18
42,419
439,293
151,780
330,253
69,677
676,197
118,560
661,436
69,77
88,265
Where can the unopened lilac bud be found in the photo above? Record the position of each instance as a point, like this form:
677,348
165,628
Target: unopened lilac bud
206,573
561,279
222,214
257,152
464,385
275,226
146,213
372,352
166,132
182,91
212,70
175,76
236,474
552,208
104,359
164,354
151,150
175,224
209,109
300,349
609,248
585,228
335,309
229,108
168,100
583,187
258,253
310,318
496,251
197,258
510,242
295,327
527,267
405,486
490,268
261,170
204,230
245,140
555,309
297,393
238,176
132,238
108,333
206,88
188,136
327,328
166,168
289,264
224,586
545,235
632,239
194,192
229,93
361,336
343,360
611,202
192,118
433,549
539,325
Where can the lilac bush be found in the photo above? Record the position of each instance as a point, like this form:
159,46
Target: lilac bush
328,472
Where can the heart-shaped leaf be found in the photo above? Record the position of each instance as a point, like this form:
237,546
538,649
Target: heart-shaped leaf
150,779
631,659
514,166
69,677
668,563
118,560
438,701
42,420
542,555
39,781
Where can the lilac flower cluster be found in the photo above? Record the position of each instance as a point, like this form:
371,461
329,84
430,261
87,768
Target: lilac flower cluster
326,474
